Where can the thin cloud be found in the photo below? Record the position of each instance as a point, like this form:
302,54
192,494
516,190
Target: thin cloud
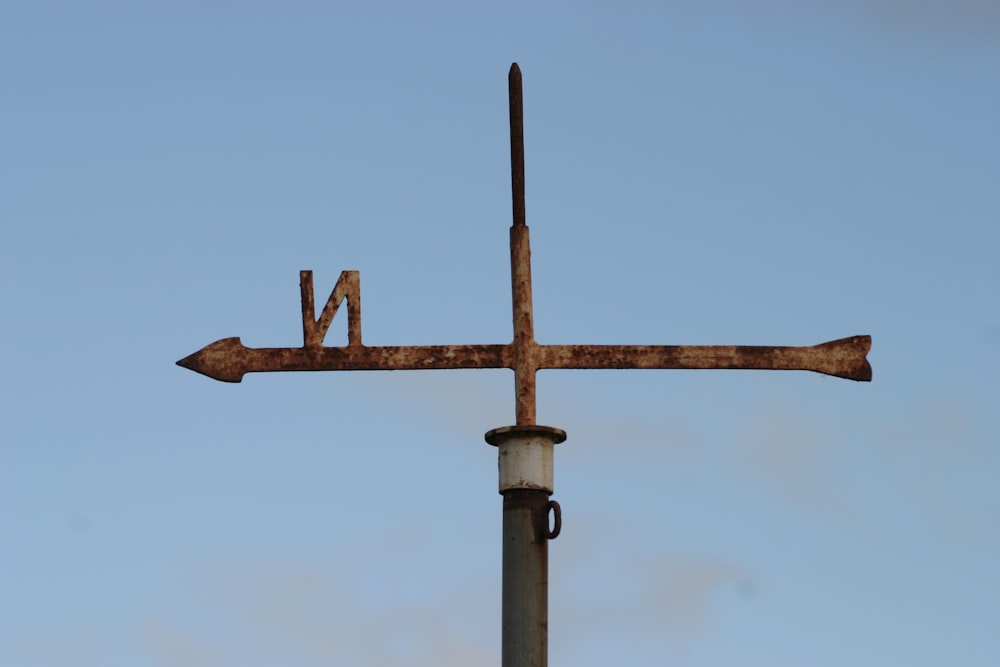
169,645
306,614
943,461
680,595
794,458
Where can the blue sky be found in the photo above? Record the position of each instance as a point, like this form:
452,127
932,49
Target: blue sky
703,173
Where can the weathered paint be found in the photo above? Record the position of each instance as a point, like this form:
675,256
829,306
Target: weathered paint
524,635
525,455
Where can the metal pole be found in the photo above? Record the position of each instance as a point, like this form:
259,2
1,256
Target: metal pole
525,464
525,450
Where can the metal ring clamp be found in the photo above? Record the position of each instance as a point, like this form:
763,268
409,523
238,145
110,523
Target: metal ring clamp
557,520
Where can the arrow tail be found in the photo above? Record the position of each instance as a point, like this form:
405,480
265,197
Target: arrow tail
844,358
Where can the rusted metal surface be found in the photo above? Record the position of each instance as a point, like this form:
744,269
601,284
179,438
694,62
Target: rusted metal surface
516,100
520,262
843,358
228,360
314,331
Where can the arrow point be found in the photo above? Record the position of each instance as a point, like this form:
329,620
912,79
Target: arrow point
222,360
189,362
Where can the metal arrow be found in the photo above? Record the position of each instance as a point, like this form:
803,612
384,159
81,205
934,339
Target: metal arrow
229,360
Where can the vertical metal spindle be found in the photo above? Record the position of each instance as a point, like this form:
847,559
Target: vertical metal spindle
525,347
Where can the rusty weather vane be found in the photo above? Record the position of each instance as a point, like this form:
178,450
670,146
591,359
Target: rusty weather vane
526,448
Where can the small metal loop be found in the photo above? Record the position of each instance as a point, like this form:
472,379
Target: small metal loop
557,520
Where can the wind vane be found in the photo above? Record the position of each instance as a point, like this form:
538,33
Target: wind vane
525,449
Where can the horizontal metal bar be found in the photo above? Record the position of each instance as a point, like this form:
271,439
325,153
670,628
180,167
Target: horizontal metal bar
228,359
845,358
